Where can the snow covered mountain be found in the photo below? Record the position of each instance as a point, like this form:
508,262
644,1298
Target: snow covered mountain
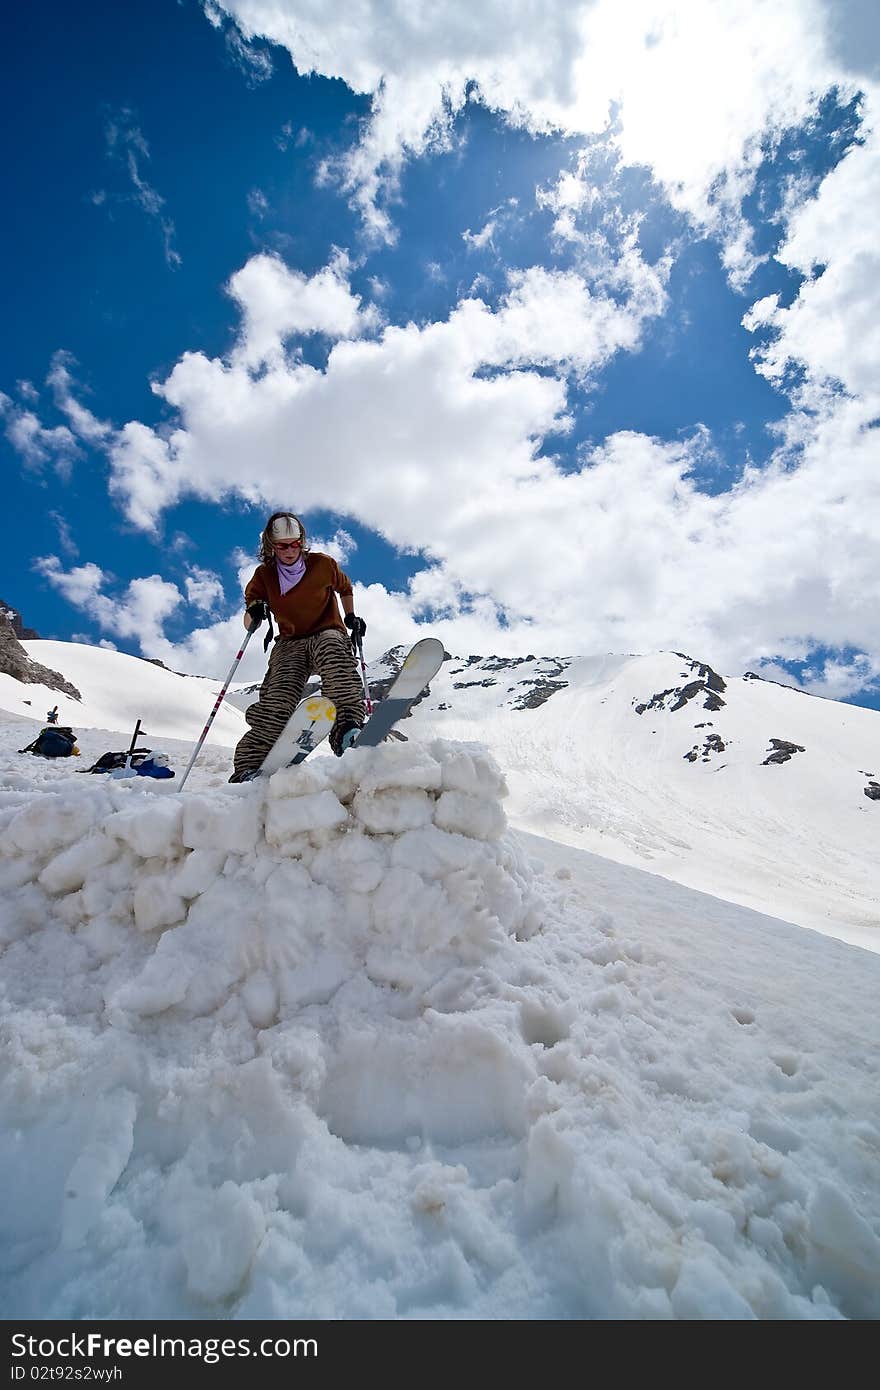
115,691
347,1044
740,787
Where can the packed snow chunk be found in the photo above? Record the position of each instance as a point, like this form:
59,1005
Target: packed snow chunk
476,876
399,766
199,964
70,869
468,815
156,904
703,1292
469,768
299,814
845,1253
222,822
22,912
354,863
151,829
392,812
24,868
197,872
298,918
222,1236
160,985
302,780
432,852
52,822
451,1080
99,1166
259,994
418,932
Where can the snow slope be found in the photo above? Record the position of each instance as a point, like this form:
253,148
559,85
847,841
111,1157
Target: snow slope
797,839
343,1045
653,761
117,690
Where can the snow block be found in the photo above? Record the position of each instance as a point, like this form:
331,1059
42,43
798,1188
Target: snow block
469,768
391,812
52,822
295,815
470,815
151,830
303,780
220,822
197,872
400,766
156,904
70,869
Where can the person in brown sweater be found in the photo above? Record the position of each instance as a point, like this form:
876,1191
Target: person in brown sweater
300,589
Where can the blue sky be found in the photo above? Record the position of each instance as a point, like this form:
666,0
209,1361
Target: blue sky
515,354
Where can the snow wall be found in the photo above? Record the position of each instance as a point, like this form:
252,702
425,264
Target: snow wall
231,972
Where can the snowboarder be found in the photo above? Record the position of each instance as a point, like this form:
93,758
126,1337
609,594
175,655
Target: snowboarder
299,588
52,716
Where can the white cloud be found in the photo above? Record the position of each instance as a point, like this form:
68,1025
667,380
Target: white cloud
430,436
65,538
139,613
86,425
88,640
204,589
36,444
477,241
694,89
429,404
341,545
255,63
125,143
832,329
277,303
837,678
625,553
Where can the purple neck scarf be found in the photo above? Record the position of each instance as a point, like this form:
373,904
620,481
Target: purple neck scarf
290,575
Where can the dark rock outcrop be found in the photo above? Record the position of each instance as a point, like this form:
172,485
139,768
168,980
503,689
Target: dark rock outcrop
24,634
713,743
782,751
707,682
15,662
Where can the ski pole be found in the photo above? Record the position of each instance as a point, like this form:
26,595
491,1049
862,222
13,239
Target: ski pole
368,703
217,704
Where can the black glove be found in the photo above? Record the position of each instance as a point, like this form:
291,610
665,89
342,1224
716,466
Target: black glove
257,611
356,626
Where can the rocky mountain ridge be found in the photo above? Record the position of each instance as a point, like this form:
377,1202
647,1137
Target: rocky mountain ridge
15,662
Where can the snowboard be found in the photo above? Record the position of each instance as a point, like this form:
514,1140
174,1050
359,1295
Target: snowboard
422,663
308,726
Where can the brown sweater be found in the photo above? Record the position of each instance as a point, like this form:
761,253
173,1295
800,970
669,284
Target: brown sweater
308,607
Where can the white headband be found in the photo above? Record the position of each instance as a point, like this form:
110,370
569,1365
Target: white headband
286,528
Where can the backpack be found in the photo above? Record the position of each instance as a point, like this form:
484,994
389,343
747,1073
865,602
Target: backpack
157,766
109,762
54,742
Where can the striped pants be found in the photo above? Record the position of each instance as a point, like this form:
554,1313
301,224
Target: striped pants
327,654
